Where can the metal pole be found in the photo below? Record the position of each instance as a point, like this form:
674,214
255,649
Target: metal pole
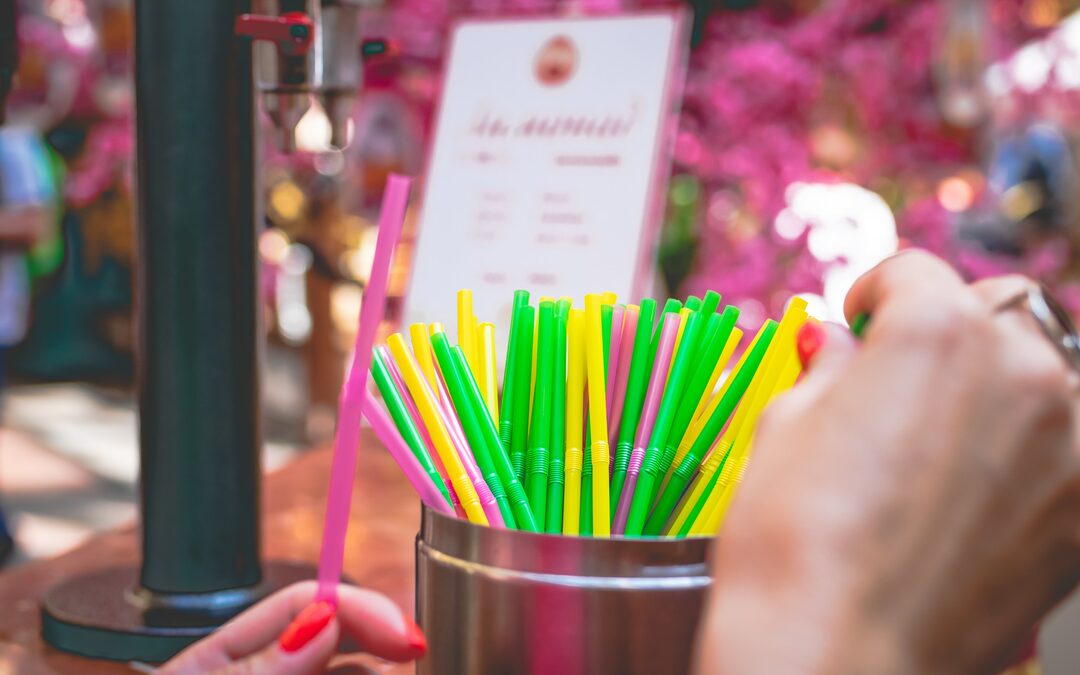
198,351
197,302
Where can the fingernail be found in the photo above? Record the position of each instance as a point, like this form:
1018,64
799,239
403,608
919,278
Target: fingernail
809,341
858,324
415,637
307,624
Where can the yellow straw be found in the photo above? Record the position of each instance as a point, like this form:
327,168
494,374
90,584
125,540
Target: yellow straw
608,298
684,314
466,329
575,383
425,402
422,348
721,448
490,384
594,359
781,349
742,457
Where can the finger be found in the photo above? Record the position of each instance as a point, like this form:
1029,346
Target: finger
378,626
308,659
375,623
997,291
908,274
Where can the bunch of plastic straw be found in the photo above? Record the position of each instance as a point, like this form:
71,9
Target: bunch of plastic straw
612,420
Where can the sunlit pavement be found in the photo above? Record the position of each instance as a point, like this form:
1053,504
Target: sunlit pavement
69,464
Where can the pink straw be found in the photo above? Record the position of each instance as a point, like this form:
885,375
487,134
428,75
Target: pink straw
648,416
385,430
410,404
612,368
457,434
622,374
347,436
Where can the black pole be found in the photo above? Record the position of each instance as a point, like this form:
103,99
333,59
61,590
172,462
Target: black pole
198,351
198,362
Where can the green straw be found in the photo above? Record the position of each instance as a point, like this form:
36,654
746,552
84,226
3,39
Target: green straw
710,303
718,330
636,384
556,468
515,492
709,433
585,524
693,303
404,422
522,376
642,498
605,326
470,424
536,461
509,391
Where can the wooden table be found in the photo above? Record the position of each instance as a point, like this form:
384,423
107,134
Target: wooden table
379,553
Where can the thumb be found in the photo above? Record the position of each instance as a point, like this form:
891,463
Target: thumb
304,648
824,350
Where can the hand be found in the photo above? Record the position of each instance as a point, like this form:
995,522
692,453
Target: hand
288,634
913,505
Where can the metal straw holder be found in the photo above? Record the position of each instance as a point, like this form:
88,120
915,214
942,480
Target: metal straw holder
505,601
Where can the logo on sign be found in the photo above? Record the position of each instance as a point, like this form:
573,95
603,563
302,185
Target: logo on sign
556,61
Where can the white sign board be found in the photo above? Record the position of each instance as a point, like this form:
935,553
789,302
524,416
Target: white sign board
549,162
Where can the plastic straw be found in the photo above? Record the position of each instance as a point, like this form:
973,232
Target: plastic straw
522,395
507,412
388,434
418,421
536,461
575,387
404,422
636,383
465,450
470,422
556,466
421,346
621,375
596,364
611,368
666,344
425,401
710,302
466,330
490,382
515,491
347,436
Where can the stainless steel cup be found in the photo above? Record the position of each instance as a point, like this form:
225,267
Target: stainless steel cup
505,601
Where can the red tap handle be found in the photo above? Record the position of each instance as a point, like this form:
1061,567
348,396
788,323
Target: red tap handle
293,32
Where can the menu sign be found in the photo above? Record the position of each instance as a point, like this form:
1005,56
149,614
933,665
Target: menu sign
549,162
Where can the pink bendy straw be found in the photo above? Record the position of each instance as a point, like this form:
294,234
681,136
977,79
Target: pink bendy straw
389,435
648,416
347,435
425,436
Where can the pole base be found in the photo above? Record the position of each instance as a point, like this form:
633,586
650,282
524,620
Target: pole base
107,615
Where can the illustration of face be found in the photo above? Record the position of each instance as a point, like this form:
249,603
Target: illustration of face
556,61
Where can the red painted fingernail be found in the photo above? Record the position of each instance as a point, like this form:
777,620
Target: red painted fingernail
809,341
416,638
307,624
